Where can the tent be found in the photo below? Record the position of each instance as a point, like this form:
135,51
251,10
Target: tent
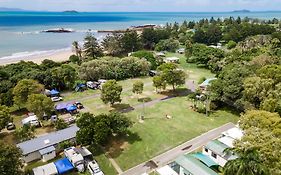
54,92
64,105
71,108
63,166
80,87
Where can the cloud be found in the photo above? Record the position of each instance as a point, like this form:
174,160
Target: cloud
143,5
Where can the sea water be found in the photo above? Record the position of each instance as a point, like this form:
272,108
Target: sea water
21,32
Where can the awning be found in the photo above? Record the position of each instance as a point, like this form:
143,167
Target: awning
205,159
54,92
63,166
47,150
194,166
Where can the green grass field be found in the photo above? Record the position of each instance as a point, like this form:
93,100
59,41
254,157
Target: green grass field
158,134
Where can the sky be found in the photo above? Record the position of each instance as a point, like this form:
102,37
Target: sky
144,5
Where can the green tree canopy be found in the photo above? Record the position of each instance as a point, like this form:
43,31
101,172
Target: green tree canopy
111,92
138,87
9,160
96,130
91,48
5,116
39,104
24,88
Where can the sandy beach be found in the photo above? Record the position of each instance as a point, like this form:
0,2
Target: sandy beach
58,56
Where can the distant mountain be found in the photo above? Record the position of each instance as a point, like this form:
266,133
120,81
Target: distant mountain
10,9
241,11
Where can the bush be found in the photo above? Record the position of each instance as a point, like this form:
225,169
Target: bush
231,44
74,59
167,45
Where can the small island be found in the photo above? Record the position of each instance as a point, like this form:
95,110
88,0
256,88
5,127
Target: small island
60,30
70,11
241,11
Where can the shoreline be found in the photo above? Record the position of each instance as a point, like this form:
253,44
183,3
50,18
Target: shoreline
57,56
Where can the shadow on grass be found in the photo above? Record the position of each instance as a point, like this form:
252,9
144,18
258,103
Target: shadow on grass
8,137
120,143
145,99
180,92
122,108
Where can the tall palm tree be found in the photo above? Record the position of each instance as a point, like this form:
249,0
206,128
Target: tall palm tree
77,49
247,163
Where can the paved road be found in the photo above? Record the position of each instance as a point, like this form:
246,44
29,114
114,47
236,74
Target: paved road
184,148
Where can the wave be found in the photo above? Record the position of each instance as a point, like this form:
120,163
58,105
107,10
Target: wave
44,53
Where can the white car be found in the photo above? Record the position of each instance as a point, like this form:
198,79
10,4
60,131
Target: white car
56,99
94,168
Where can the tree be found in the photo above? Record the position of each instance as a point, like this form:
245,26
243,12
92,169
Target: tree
247,163
39,104
167,45
77,49
112,44
63,77
24,88
138,87
91,47
9,160
96,130
26,132
74,59
171,75
148,56
5,116
261,132
130,41
60,124
111,92
159,83
231,44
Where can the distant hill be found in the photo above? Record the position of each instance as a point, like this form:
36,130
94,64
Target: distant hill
241,11
2,9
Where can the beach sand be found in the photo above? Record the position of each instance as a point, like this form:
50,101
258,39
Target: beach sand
57,56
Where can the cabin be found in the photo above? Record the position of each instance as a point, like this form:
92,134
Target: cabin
203,86
190,165
216,150
172,60
46,146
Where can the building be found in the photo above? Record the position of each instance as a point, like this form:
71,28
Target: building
166,170
217,151
181,51
44,147
172,60
203,86
190,165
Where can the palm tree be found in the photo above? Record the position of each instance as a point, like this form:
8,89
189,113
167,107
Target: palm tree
247,163
77,49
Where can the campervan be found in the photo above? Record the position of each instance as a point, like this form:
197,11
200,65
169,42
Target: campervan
75,158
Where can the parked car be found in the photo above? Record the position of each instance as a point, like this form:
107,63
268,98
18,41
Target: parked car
56,99
11,126
69,120
92,85
32,120
153,73
79,105
94,168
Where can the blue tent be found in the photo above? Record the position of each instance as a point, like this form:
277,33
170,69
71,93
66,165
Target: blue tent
63,166
54,92
71,108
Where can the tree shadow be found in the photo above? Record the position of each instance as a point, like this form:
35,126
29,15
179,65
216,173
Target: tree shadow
120,143
180,92
145,99
124,108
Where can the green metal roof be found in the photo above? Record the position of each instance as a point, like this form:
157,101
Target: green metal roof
194,166
205,159
217,147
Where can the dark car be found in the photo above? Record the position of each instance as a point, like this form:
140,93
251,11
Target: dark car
11,126
152,73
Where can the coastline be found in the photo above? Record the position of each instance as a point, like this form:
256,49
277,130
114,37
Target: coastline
57,56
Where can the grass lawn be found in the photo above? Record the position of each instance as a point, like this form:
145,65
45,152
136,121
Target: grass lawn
158,134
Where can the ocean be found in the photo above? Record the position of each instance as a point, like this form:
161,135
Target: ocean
20,32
